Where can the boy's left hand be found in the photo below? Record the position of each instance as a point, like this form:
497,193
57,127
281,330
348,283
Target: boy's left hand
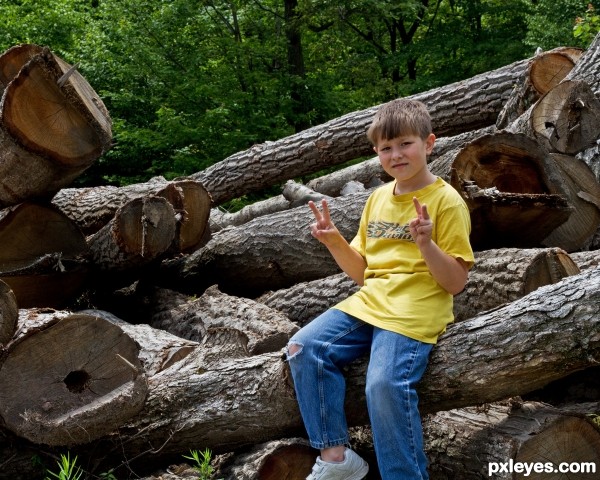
422,226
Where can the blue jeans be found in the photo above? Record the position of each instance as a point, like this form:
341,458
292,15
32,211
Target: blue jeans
396,364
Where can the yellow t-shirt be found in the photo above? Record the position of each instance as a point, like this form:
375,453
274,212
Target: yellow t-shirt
399,292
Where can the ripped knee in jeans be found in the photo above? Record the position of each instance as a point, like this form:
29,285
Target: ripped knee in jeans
293,349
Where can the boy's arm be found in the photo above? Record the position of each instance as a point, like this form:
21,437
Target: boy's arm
451,273
348,259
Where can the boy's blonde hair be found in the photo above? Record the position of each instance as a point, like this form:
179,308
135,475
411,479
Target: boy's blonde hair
400,117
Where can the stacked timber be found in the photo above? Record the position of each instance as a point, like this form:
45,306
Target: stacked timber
138,323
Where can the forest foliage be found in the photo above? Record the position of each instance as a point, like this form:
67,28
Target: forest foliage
190,82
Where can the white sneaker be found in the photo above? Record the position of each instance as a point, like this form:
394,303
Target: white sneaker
352,468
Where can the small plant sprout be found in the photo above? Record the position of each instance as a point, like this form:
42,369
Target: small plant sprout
68,470
202,463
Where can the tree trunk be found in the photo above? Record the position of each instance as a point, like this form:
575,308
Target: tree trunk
304,301
472,443
459,107
498,276
246,260
42,255
586,259
220,220
513,188
564,120
285,459
502,353
583,192
53,125
545,71
141,231
265,329
92,208
69,378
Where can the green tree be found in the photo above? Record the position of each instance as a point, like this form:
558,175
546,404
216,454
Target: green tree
190,82
550,23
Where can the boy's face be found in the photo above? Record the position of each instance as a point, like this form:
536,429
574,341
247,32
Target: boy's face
405,159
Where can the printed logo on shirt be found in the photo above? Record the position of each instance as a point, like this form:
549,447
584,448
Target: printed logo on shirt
379,229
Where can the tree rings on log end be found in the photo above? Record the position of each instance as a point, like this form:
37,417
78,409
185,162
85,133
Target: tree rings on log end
514,190
568,117
145,226
549,68
13,59
570,440
72,382
38,116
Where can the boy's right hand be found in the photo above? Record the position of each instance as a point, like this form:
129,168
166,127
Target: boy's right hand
323,229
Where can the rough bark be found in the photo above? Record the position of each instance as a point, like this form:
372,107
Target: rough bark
520,347
220,220
42,255
513,188
305,300
53,125
69,378
265,329
465,443
504,275
564,120
586,259
462,106
591,156
9,313
499,276
92,208
545,71
266,253
141,231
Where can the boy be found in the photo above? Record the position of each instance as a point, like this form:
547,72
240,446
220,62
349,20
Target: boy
410,256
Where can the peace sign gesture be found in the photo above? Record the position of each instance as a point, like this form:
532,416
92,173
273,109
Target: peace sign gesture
323,229
422,226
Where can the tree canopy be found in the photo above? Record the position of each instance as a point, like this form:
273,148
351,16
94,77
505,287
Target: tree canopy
190,82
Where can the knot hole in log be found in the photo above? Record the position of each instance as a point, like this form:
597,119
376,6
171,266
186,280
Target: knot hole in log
77,381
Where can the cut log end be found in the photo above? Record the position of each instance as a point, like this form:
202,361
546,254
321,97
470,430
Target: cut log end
510,186
568,117
550,68
68,124
74,381
571,440
145,226
550,266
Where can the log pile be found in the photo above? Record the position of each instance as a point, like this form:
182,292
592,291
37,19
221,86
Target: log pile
138,323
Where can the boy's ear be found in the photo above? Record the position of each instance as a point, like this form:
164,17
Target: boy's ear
375,148
429,143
